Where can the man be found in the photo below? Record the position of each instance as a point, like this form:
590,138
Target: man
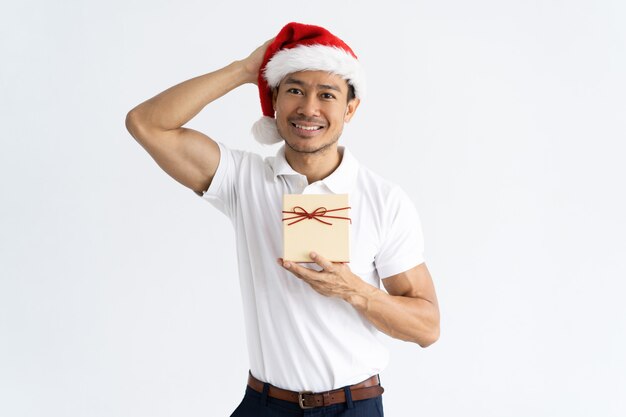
312,329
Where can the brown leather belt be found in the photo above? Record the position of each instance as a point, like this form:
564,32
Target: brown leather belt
369,388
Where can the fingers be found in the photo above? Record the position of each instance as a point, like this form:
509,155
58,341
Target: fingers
321,261
326,265
253,62
294,268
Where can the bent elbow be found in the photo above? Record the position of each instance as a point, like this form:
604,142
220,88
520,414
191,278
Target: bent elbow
429,339
138,128
132,123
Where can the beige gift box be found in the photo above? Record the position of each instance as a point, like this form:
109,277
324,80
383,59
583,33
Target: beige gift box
316,223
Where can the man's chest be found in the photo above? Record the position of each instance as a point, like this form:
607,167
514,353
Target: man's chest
260,214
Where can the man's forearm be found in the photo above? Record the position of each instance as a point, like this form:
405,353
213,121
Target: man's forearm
414,317
177,105
406,318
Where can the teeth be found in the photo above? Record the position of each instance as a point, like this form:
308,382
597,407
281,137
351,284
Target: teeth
307,128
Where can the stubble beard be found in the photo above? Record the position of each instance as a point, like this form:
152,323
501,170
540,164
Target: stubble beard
320,150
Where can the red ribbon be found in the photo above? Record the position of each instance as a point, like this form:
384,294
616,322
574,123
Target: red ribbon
302,214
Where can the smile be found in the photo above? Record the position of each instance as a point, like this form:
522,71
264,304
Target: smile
310,128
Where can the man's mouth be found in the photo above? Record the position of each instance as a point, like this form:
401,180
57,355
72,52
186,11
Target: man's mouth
309,128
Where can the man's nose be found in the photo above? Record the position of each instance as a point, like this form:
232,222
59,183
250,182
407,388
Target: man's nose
309,106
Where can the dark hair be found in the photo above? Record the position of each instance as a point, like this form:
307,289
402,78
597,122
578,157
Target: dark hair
351,93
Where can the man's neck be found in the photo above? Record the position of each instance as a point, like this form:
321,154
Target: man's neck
315,166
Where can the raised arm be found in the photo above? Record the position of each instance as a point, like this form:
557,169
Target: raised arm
188,156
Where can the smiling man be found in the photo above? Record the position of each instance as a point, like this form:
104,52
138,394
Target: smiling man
311,108
312,329
317,105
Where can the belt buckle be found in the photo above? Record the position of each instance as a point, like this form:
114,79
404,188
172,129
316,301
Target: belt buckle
301,400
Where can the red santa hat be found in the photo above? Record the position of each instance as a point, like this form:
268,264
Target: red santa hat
299,47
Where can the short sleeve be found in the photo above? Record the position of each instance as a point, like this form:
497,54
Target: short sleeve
403,242
222,193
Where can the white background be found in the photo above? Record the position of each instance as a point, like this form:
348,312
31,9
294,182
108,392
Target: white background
504,121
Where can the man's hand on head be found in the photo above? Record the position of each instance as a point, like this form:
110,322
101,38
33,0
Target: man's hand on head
253,62
335,280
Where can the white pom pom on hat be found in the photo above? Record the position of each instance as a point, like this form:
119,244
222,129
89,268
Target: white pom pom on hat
265,131
300,47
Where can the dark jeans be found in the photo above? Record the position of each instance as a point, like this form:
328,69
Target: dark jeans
255,404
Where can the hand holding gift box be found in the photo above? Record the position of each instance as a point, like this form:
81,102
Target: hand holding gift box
316,223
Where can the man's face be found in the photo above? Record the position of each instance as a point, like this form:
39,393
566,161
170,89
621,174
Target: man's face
311,108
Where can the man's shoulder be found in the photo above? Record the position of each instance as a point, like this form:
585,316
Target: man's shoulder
240,153
246,169
371,181
244,157
383,192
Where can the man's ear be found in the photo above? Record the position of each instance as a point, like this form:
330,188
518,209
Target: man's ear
351,109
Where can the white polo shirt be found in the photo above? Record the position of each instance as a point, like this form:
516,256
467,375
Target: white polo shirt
297,338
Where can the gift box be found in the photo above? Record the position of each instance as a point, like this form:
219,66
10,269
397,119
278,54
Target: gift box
316,223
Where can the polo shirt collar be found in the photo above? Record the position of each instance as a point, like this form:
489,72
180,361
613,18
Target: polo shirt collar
340,181
280,166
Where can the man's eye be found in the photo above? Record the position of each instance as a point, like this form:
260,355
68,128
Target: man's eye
294,91
328,96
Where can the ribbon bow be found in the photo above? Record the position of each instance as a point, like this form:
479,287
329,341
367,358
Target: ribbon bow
302,214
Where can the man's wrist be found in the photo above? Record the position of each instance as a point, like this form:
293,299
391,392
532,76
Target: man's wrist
244,72
238,71
362,295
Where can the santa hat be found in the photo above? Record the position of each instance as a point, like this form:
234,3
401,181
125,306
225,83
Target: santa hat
299,47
